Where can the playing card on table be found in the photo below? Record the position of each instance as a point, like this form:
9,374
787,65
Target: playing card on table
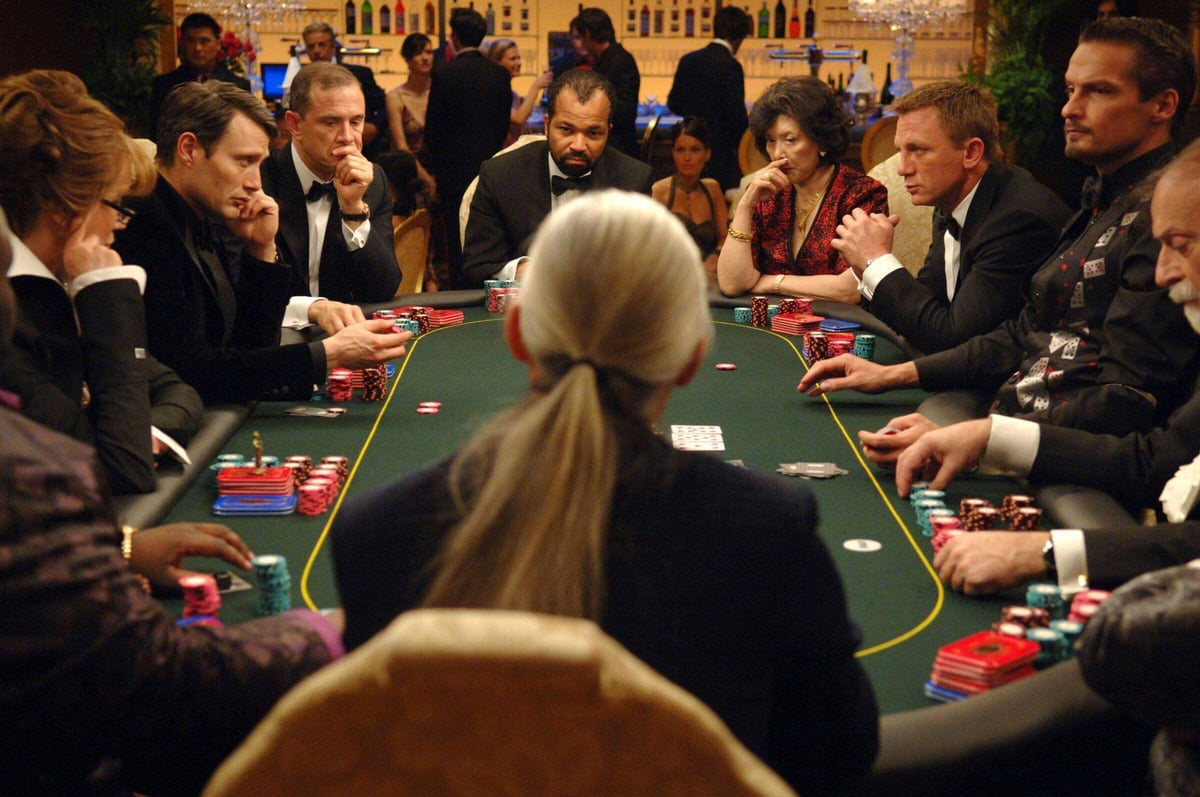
697,438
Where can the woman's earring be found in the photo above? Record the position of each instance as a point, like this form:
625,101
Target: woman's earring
822,153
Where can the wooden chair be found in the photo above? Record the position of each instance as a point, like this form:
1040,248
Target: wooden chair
469,702
646,149
911,241
750,159
464,208
879,142
411,235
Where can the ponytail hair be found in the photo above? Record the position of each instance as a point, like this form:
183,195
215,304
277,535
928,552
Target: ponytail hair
613,308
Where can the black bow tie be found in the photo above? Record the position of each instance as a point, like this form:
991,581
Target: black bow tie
1093,187
560,185
950,225
318,190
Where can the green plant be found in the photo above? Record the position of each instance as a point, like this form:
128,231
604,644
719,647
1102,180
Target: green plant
1019,78
124,66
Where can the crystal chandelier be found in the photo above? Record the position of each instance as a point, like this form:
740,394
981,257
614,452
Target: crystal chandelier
904,17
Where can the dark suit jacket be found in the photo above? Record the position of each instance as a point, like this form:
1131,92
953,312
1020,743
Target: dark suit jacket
709,83
369,274
513,196
184,322
1010,230
470,102
1116,555
163,84
374,94
616,64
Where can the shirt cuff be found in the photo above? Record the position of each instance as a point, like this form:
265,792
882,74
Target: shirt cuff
1070,560
1012,445
356,238
873,274
88,278
509,272
296,314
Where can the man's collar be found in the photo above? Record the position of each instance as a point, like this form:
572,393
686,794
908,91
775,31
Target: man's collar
724,44
466,50
307,178
964,207
1136,169
557,172
180,212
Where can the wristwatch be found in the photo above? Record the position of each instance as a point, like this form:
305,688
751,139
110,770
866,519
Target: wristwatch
355,216
1048,557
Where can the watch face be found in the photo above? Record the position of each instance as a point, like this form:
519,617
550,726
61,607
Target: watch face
1048,554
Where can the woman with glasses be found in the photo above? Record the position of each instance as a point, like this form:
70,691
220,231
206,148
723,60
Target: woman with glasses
78,361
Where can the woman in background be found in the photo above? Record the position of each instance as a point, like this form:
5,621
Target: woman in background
506,53
695,201
406,106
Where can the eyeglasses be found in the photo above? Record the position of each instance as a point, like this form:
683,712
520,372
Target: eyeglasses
124,214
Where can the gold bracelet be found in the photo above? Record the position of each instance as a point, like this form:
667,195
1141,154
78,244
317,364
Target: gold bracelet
127,533
779,282
738,235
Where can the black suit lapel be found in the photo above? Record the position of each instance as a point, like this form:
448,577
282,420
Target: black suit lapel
293,214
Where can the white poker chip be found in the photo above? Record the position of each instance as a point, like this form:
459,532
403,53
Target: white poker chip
862,546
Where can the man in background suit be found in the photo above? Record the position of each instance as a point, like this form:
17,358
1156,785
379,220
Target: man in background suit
710,84
320,43
1133,468
212,316
470,101
335,212
518,189
593,30
994,224
199,49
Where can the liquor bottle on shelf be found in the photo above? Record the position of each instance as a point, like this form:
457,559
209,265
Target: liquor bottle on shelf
367,12
832,85
780,19
506,16
644,20
430,18
414,20
689,20
401,23
764,21
351,17
841,89
524,16
885,94
810,21
631,17
490,17
674,17
658,18
705,18
794,22
385,19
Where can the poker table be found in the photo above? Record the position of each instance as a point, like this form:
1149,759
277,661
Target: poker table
904,611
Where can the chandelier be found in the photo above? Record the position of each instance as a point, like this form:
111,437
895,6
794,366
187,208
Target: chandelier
249,15
904,17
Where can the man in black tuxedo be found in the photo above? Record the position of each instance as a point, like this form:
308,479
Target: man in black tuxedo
335,211
593,29
710,84
199,49
1133,468
470,102
518,189
994,224
320,43
212,316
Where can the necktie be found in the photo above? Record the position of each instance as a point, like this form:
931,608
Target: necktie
1093,187
319,190
206,252
560,185
949,224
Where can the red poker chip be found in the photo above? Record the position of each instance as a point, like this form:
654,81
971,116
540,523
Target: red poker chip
437,405
726,367
428,410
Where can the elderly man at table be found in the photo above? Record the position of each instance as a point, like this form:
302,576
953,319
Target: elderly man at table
994,223
709,83
518,189
1134,468
212,315
1098,346
335,210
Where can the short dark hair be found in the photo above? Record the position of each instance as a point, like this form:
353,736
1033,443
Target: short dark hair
400,168
809,103
966,111
1164,57
413,44
469,26
583,82
693,126
315,77
596,23
200,20
731,24
205,110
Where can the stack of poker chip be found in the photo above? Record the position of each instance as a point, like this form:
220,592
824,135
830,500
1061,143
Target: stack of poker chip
493,298
772,311
968,505
488,285
1048,597
421,314
759,312
1011,503
374,383
340,385
301,464
864,346
339,463
816,346
944,529
408,324
932,515
803,306
1025,518
741,315
200,596
274,584
389,314
787,305
313,499
985,660
793,324
840,343
923,506
1086,603
327,471
982,518
1027,616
